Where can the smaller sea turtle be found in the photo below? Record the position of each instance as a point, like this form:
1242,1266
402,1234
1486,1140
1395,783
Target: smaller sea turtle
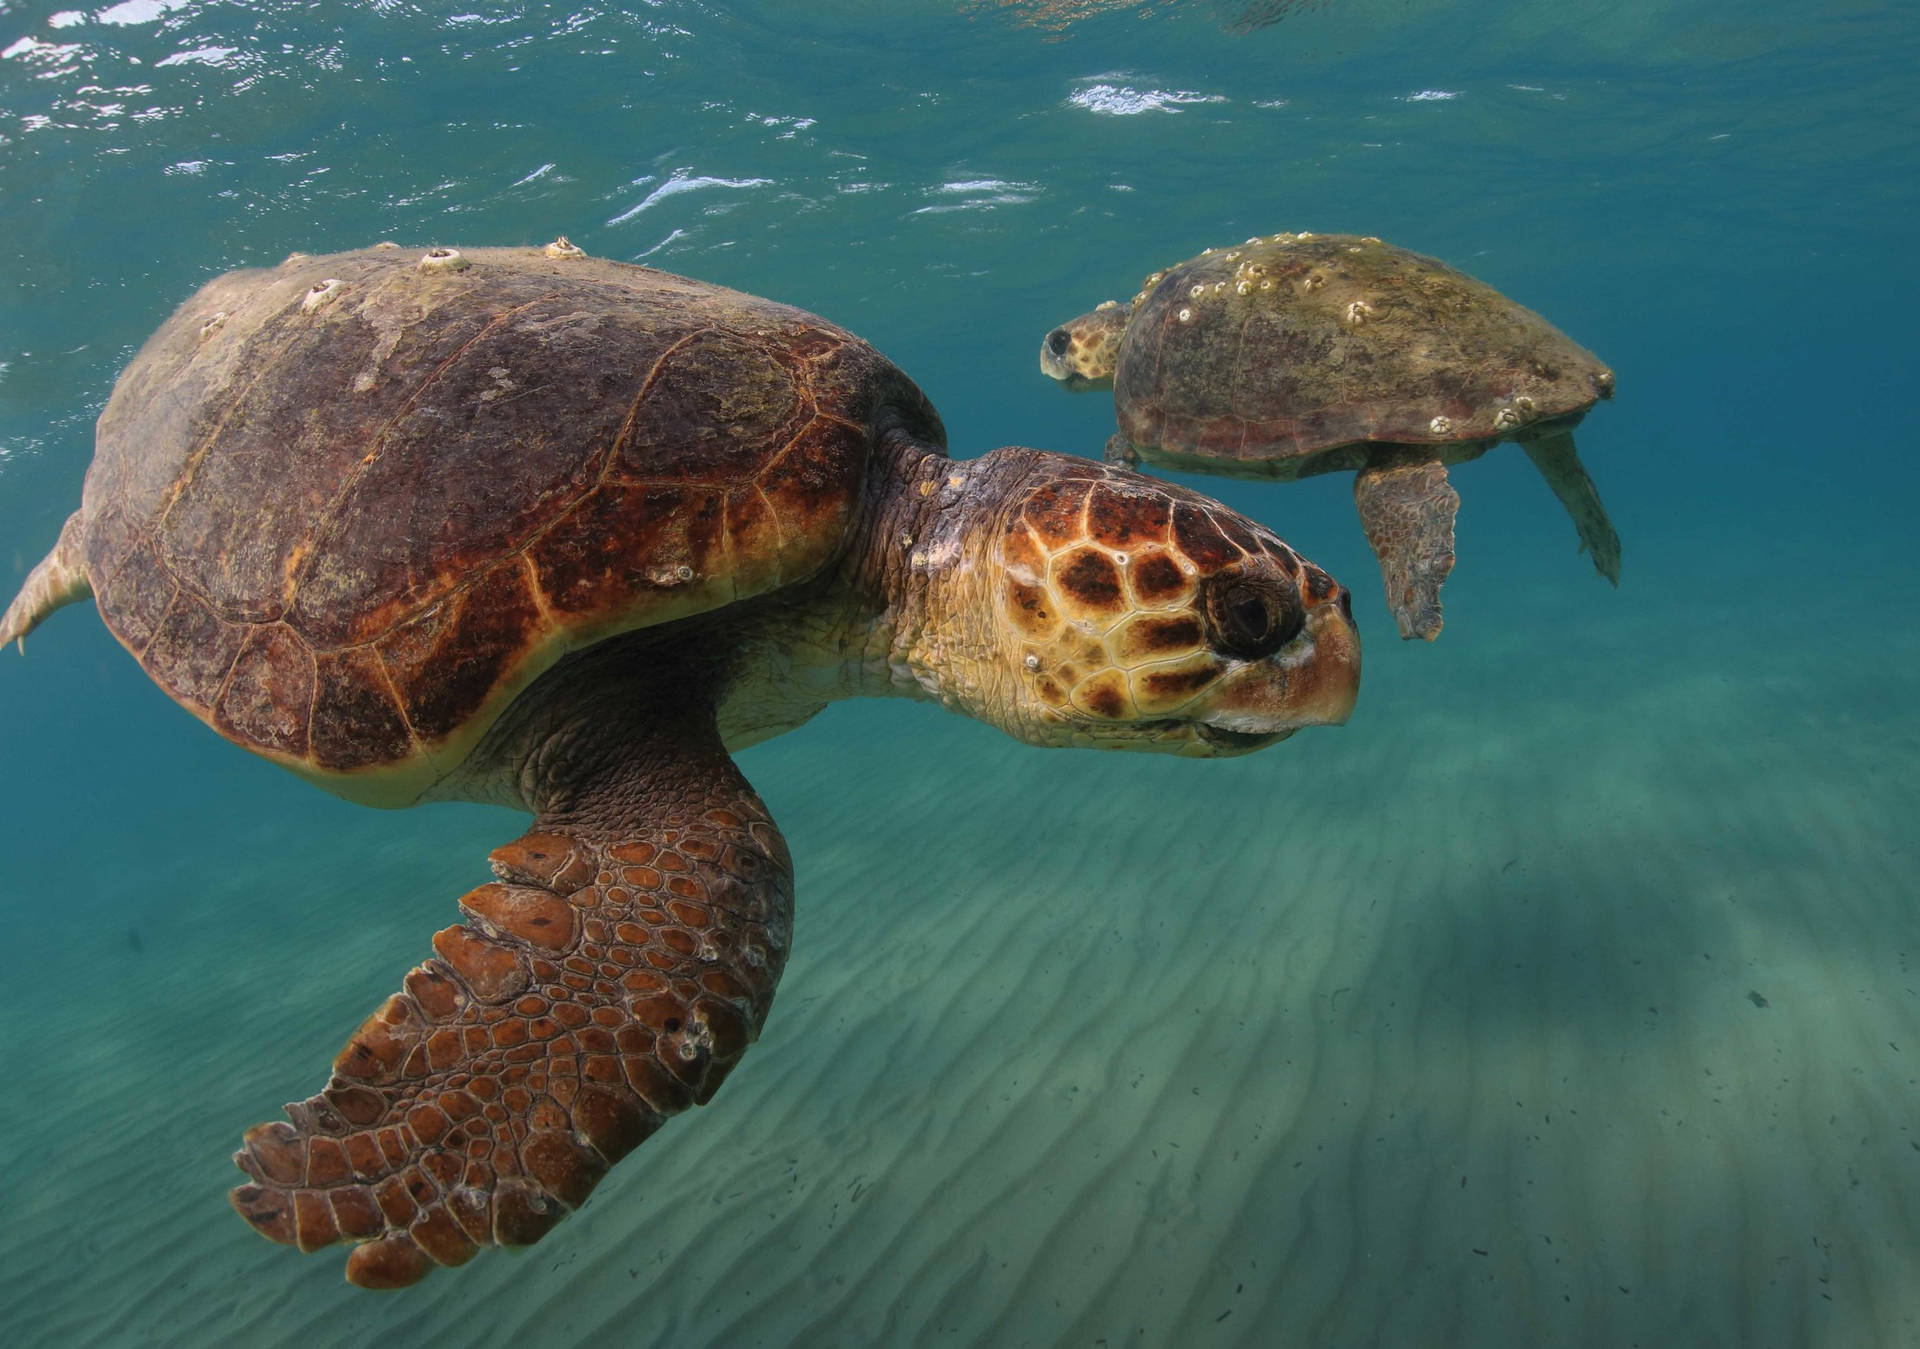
1234,16
525,527
1298,354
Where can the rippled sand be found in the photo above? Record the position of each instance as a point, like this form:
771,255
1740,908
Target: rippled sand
1476,1022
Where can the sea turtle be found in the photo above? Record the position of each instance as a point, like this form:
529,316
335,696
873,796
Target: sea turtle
526,527
1298,354
1235,16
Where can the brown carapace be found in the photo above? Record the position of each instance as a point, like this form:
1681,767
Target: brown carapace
1297,354
524,527
278,534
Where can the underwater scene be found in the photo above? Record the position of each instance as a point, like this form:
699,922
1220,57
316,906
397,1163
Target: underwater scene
1557,984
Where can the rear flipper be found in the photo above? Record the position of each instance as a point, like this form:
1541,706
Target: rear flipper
601,985
61,578
1407,508
1553,454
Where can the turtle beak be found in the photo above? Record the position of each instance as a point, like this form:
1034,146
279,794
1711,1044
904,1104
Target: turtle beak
1312,681
1334,672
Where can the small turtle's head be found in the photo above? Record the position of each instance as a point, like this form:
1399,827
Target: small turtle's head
1081,353
1091,606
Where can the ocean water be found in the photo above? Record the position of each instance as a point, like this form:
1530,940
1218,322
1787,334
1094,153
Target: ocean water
1566,996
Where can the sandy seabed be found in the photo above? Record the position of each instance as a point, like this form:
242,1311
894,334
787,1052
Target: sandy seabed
1563,998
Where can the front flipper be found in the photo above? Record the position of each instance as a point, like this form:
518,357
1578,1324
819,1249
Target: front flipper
611,977
1560,465
1407,508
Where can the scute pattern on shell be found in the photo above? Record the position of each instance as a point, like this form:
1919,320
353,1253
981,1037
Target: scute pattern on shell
345,534
1296,346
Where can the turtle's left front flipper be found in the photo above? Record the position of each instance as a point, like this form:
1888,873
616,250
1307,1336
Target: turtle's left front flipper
611,977
1407,508
1553,454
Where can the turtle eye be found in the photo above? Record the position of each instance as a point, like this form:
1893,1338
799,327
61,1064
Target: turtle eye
1250,618
1057,341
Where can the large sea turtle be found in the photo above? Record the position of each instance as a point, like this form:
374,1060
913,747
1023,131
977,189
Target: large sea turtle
525,527
1299,354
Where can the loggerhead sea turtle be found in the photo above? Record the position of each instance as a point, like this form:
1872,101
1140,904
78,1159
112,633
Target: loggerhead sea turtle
1298,354
526,527
1235,16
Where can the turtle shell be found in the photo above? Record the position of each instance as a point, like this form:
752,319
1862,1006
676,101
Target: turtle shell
345,509
1286,349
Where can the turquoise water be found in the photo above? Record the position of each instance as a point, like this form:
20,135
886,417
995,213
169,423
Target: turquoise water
1464,992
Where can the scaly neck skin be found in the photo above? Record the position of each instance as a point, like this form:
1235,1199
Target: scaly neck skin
904,613
916,619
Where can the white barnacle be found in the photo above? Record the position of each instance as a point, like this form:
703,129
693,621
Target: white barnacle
443,260
321,293
1242,288
1138,298
1506,417
563,247
1304,234
1369,238
1032,661
1196,292
1267,284
1185,316
1355,248
1312,281
1219,288
1231,256
1205,252
213,324
1441,426
1359,312
1525,405
1106,304
386,243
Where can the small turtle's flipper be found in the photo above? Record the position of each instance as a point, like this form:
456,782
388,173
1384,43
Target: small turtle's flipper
1554,456
1120,452
61,578
611,977
1407,508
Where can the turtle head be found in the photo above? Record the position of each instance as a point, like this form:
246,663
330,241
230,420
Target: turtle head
1092,606
1081,352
